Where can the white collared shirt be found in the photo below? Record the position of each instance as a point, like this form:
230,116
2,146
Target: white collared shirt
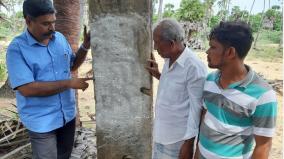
178,104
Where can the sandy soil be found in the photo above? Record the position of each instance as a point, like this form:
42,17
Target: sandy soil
86,101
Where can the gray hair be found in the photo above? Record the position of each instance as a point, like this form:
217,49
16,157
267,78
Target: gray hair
170,29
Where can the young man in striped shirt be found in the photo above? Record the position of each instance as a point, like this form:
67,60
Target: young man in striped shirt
241,107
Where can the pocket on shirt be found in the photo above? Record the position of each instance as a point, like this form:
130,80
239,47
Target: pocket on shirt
66,58
65,61
175,93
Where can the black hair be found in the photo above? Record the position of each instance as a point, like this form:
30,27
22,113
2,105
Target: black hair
35,8
237,34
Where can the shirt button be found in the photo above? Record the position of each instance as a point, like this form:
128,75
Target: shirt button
56,72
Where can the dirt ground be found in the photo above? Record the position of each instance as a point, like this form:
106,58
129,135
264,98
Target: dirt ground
270,70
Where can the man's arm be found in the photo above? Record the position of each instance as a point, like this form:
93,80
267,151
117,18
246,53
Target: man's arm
197,152
186,150
262,147
264,122
82,51
195,83
50,88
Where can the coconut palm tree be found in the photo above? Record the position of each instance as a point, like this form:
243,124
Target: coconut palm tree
160,14
68,20
223,4
250,11
68,23
2,4
260,27
208,11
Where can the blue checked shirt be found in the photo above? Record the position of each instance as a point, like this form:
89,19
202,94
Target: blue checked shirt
29,61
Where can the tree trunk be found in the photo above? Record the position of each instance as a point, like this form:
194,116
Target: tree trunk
228,9
207,17
68,23
121,45
209,11
6,91
222,5
160,11
260,27
281,38
248,20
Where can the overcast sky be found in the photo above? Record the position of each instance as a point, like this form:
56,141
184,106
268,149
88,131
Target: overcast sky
244,4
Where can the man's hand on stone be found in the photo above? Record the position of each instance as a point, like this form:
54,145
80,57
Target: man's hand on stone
152,67
79,83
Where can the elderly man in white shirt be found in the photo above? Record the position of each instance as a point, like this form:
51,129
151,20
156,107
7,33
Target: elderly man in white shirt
178,103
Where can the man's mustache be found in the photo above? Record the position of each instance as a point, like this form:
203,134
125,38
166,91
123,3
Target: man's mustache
49,33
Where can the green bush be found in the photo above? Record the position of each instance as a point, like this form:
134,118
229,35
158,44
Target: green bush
10,26
191,10
214,21
155,18
255,21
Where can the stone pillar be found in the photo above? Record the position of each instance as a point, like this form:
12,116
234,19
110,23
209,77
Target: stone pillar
121,43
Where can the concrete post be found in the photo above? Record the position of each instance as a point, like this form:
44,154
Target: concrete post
121,44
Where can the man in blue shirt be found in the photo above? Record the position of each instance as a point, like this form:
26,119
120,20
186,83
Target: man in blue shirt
39,63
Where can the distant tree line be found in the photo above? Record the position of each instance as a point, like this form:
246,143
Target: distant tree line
197,11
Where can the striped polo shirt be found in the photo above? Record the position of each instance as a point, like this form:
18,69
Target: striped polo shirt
234,115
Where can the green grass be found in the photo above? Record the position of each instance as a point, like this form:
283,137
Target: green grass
269,37
266,52
6,36
268,47
4,32
3,71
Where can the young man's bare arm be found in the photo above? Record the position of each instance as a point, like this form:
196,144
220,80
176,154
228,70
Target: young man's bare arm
262,147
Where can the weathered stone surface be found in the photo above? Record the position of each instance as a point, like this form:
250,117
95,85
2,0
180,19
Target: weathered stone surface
121,44
85,144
